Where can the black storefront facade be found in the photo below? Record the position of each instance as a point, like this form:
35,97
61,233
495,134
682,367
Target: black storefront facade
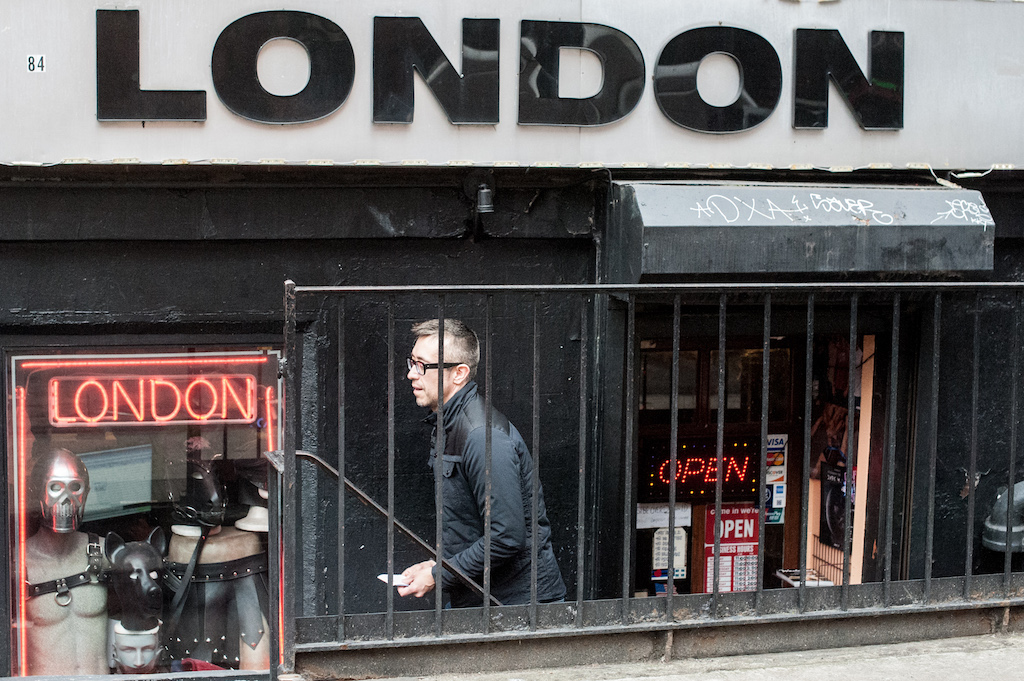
625,307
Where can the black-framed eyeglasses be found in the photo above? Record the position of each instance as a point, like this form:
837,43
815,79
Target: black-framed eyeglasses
421,368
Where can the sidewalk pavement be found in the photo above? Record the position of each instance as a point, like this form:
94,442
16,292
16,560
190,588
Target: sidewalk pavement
994,657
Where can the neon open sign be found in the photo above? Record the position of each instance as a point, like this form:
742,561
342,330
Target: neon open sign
156,400
696,471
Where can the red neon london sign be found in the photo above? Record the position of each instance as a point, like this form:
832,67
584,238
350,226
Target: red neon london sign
156,400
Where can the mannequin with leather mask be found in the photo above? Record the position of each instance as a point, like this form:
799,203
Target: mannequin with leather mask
66,612
135,587
217,574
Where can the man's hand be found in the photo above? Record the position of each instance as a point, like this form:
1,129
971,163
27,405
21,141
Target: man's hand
420,578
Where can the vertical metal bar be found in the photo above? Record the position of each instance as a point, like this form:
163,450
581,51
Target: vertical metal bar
340,635
630,453
720,461
765,377
274,554
488,460
933,453
535,482
389,617
972,472
806,476
581,491
890,454
673,457
1011,472
439,444
287,537
600,313
851,455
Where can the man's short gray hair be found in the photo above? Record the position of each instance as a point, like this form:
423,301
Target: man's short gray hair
460,342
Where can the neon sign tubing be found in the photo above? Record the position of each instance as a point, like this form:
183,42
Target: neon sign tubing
61,364
268,399
21,414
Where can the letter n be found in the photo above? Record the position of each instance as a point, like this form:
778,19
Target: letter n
875,101
403,44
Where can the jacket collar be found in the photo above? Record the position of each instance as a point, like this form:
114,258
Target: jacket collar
453,406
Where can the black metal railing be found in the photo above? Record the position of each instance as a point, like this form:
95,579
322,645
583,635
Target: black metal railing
943,405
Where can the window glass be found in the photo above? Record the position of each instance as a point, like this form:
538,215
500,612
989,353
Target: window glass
137,498
743,384
656,389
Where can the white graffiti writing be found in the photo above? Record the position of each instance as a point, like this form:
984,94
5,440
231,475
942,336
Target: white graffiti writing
736,209
857,207
772,211
965,211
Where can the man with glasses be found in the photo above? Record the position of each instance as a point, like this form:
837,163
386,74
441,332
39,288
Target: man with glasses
464,486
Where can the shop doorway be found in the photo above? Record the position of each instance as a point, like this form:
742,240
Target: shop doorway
847,389
696,468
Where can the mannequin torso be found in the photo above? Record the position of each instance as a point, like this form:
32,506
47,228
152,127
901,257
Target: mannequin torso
70,638
225,545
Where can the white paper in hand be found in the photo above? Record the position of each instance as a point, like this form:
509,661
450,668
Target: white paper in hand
396,580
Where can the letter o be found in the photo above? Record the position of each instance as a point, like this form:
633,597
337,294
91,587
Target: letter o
332,67
675,79
188,399
664,476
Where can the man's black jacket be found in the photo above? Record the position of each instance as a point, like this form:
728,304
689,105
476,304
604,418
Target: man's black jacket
511,502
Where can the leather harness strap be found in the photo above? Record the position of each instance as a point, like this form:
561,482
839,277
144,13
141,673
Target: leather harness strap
219,572
94,574
178,604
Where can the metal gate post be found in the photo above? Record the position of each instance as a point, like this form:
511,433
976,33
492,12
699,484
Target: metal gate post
285,619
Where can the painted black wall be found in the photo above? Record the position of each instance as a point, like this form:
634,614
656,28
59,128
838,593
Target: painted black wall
92,259
155,255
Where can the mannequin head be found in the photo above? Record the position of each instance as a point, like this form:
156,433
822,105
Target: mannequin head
60,484
203,503
136,652
252,492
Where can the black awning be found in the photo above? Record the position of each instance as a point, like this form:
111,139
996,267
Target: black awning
690,228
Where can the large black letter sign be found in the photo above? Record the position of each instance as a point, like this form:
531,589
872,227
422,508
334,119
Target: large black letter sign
675,79
332,67
877,104
118,95
539,103
401,44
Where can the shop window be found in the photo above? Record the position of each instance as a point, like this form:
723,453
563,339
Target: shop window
656,389
743,384
696,472
698,385
137,495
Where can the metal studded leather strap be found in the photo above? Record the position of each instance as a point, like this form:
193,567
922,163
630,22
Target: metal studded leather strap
81,579
93,575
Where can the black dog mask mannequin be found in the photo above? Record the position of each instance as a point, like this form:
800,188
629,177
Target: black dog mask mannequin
136,574
135,577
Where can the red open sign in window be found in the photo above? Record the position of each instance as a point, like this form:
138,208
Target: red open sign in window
696,470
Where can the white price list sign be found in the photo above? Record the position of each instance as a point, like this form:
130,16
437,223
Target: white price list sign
659,562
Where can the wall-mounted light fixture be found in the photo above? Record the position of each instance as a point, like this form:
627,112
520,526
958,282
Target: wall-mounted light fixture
479,189
484,199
